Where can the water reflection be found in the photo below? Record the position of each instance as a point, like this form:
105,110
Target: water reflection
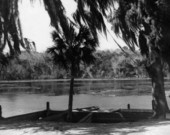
57,88
23,97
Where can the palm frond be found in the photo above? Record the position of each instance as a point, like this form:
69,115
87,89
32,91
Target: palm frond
58,56
76,49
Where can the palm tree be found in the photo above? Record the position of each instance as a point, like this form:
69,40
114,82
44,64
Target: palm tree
70,52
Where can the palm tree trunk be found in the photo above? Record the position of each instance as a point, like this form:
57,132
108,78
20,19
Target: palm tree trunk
159,102
71,92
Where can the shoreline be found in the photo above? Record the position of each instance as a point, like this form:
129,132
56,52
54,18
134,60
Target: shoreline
76,79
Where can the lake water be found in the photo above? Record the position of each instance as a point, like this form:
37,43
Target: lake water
29,96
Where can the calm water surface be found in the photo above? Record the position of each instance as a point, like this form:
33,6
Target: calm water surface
24,97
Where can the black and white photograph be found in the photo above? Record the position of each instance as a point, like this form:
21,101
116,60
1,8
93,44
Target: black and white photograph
84,67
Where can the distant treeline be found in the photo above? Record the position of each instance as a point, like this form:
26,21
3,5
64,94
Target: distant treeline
115,64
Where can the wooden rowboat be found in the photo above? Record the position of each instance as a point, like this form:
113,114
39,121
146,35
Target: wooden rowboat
85,115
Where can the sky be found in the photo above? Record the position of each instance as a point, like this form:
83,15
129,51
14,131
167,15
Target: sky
36,25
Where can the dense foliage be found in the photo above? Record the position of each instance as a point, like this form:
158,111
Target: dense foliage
115,64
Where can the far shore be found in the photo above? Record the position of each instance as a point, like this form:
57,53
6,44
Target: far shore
76,79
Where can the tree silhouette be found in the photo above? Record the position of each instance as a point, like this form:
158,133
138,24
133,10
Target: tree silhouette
70,52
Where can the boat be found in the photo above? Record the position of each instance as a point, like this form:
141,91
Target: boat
84,115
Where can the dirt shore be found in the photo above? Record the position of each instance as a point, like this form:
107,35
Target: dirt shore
50,128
